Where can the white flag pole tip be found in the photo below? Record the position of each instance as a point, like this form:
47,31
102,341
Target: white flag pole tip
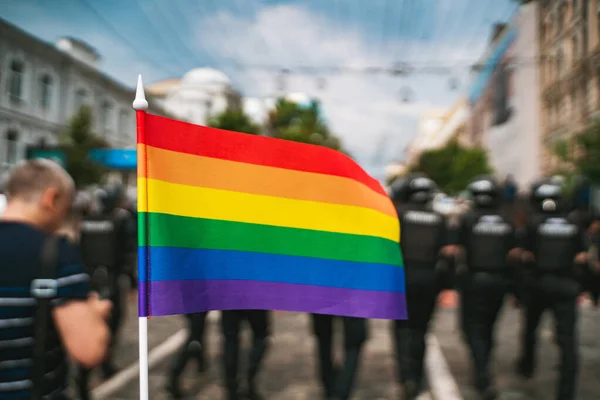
140,103
143,339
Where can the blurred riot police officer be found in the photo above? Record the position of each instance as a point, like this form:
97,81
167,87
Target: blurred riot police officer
338,382
193,348
260,323
104,239
423,235
554,247
486,235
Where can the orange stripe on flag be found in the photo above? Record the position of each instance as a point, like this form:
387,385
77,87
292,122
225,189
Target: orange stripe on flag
214,173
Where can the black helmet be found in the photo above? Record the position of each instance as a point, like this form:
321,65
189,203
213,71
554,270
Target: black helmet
114,195
547,195
398,190
419,188
484,190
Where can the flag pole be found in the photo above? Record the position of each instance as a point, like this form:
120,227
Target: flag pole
140,106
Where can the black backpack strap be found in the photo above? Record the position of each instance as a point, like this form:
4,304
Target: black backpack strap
43,289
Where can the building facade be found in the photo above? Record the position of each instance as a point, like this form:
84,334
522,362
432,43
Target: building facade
570,71
505,99
429,125
206,92
437,128
42,85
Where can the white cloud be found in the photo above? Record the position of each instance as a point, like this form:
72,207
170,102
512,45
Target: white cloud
365,110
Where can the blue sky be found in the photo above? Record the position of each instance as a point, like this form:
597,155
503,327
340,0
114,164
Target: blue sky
166,38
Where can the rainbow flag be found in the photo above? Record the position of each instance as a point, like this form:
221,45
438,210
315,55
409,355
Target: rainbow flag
235,221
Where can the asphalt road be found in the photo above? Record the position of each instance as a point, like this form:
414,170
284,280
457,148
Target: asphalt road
543,385
290,370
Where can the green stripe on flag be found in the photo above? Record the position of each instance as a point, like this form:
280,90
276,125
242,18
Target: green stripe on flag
196,233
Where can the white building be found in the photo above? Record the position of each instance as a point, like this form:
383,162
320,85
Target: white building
42,86
505,100
198,95
205,92
437,128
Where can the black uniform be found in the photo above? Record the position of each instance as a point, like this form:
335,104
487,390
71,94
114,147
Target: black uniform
424,233
259,321
338,382
487,236
104,249
553,285
192,348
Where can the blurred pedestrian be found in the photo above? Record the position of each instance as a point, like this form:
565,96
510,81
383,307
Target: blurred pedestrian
487,237
555,250
104,244
510,189
47,309
338,382
193,348
260,323
425,234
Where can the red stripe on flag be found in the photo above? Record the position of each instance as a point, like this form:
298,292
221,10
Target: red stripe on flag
199,140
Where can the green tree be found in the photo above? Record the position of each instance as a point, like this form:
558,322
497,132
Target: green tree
234,120
304,124
452,167
78,140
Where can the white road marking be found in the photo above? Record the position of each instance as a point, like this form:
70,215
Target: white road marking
155,356
425,396
441,382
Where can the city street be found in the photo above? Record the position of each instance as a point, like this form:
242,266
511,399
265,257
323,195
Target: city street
543,385
290,373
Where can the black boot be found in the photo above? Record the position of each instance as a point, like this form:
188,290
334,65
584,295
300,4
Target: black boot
489,393
411,390
525,369
201,363
108,370
174,388
252,394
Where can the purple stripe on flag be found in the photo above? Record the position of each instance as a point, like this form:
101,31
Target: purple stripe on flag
189,296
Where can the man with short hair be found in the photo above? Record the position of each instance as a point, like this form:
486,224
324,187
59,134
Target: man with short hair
39,196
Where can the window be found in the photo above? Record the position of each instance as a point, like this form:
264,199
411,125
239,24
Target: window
15,81
45,91
105,115
584,40
559,19
598,13
559,63
124,122
80,99
590,95
12,139
575,44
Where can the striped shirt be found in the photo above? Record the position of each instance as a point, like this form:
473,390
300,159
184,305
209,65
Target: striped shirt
20,254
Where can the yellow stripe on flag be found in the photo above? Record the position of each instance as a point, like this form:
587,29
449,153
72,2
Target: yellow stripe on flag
198,202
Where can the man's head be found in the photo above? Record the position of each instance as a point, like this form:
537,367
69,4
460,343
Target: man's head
39,192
